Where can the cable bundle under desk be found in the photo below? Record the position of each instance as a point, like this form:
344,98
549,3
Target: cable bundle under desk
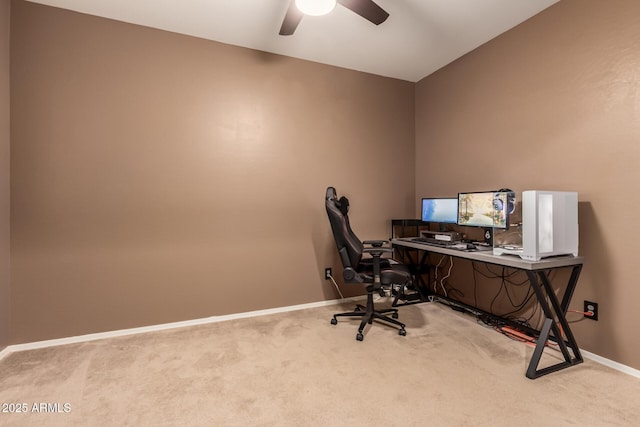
554,324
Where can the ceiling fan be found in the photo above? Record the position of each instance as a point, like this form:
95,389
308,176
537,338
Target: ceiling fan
365,8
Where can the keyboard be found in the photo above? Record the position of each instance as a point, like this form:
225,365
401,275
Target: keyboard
433,242
442,243
452,245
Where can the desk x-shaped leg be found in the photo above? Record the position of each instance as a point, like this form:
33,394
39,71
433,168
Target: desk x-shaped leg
554,310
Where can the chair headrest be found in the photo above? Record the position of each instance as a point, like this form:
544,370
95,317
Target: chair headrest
343,205
331,194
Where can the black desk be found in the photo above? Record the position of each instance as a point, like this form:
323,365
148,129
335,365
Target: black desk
538,275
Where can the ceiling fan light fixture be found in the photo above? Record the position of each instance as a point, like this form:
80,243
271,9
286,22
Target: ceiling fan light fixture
315,7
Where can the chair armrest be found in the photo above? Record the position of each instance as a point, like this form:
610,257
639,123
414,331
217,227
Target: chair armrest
377,251
377,254
375,243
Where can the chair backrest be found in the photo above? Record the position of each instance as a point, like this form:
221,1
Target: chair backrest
349,246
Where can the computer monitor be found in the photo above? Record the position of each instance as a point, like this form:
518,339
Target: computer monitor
442,211
488,209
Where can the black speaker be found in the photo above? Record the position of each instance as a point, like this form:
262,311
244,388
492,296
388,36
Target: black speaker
488,236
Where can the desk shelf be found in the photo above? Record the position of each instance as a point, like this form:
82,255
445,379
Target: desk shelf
407,227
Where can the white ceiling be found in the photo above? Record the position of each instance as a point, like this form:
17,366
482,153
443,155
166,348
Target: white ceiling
418,38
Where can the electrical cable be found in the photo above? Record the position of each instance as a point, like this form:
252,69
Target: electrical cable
435,277
452,290
508,281
475,284
336,285
338,289
516,335
585,314
445,277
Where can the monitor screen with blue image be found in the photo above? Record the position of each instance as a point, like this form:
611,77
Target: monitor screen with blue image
443,211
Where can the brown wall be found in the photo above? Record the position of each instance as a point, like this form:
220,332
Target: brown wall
553,104
5,299
158,177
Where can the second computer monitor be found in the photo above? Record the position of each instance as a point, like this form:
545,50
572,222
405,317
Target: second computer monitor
443,211
483,209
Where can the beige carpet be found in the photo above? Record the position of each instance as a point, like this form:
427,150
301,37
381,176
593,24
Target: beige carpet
296,369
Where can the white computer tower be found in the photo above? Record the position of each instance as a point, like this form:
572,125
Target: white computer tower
549,225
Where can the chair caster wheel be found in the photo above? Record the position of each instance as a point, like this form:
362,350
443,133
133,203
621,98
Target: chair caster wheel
402,332
334,321
395,315
359,337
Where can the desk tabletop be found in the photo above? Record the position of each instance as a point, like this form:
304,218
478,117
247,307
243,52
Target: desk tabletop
488,256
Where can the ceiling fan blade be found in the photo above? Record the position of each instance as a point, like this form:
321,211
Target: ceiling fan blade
367,9
291,20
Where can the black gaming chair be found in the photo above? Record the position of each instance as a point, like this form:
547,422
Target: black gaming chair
376,272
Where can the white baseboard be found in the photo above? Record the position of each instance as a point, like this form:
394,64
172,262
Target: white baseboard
214,319
165,326
5,351
610,363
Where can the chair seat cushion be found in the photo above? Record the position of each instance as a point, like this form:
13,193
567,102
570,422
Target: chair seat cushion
391,272
367,263
397,274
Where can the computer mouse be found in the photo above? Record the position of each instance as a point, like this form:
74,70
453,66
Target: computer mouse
471,246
